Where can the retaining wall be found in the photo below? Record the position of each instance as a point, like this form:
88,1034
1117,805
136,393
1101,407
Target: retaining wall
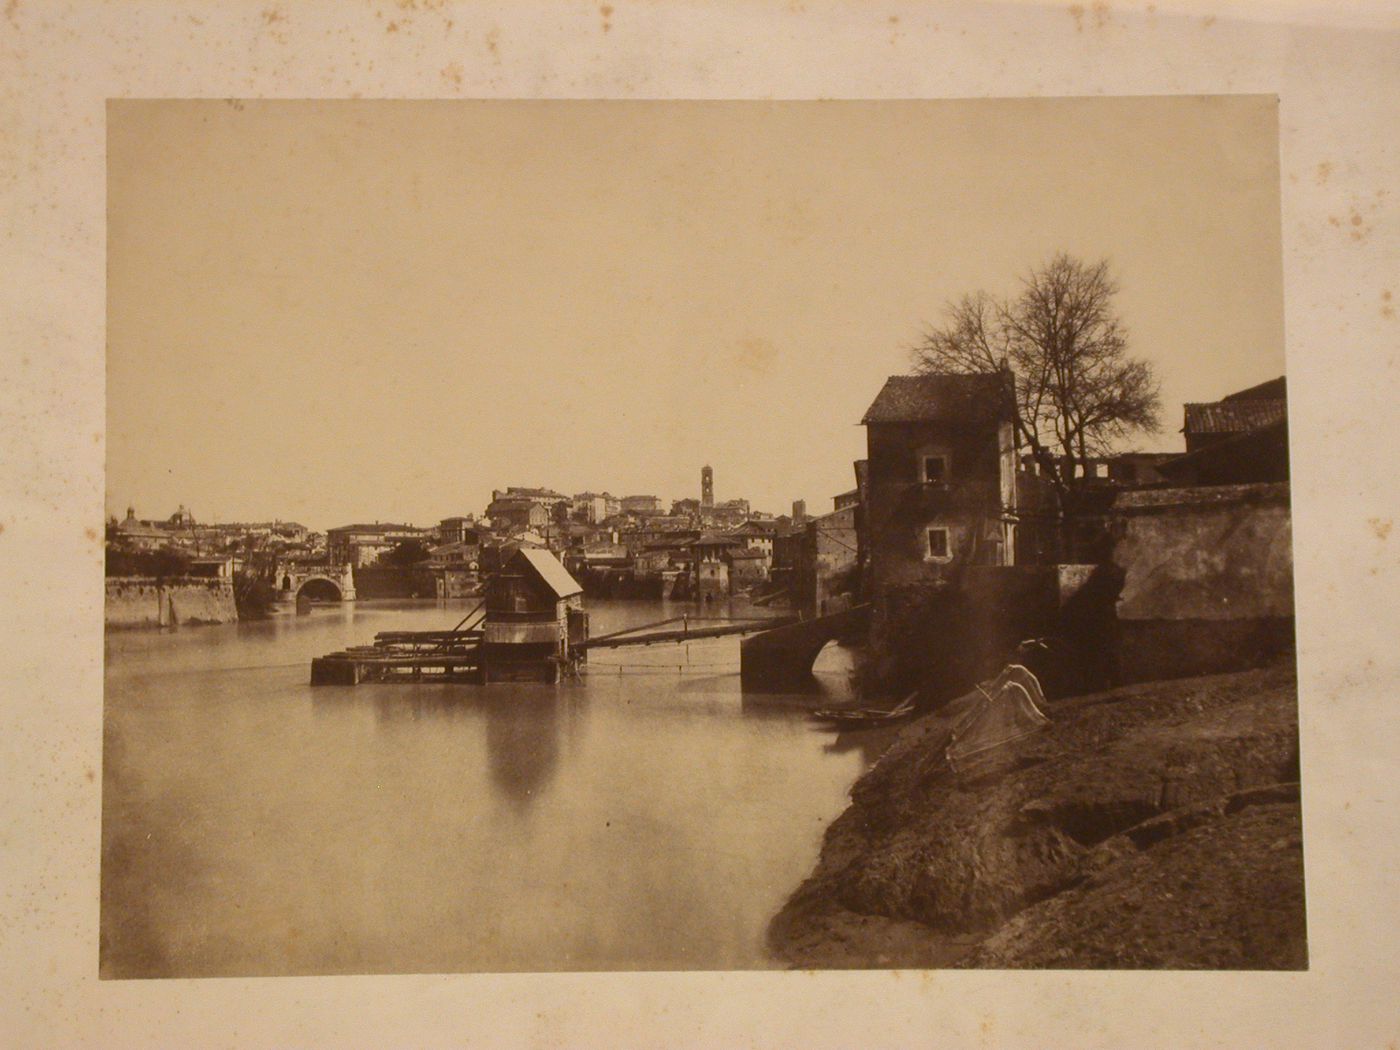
1208,579
149,602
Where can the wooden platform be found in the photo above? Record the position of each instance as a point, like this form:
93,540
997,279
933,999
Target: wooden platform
404,656
457,656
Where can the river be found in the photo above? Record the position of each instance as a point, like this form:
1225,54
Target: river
649,816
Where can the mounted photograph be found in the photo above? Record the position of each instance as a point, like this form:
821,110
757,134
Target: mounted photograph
665,535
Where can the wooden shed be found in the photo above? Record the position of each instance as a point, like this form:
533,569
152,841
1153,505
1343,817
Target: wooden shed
534,620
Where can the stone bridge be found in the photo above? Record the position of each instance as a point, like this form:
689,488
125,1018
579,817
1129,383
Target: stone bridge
781,660
333,583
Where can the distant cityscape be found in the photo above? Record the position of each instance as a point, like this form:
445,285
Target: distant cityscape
628,546
991,508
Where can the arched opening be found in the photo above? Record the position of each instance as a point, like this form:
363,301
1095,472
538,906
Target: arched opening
286,583
319,589
835,667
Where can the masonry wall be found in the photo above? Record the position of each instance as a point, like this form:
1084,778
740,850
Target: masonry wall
137,602
1207,578
942,636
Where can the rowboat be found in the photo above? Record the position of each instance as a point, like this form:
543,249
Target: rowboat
864,717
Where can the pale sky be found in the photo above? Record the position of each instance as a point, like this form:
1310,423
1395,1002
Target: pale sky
354,311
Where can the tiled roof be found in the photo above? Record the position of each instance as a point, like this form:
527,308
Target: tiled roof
948,396
1234,417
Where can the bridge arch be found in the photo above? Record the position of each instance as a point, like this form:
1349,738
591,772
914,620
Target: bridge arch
781,659
321,588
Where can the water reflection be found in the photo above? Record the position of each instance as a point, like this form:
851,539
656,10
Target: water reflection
634,819
522,741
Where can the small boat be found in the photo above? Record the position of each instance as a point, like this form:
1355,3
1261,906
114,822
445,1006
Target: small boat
864,717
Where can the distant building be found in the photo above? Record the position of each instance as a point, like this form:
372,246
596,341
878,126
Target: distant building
640,505
685,508
729,513
1138,469
456,529
707,487
362,545
135,535
594,507
827,560
757,535
799,511
711,566
747,568
546,498
516,512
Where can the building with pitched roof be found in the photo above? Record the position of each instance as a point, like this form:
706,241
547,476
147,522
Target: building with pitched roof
1240,439
940,481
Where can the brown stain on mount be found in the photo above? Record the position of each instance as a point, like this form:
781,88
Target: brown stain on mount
756,355
1381,527
605,10
1101,11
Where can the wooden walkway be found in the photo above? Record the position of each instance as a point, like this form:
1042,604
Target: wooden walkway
455,656
686,633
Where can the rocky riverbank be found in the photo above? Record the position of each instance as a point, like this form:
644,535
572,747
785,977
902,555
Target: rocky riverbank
1154,826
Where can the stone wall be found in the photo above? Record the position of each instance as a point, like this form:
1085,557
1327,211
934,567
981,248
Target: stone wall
1199,581
1208,579
943,636
136,601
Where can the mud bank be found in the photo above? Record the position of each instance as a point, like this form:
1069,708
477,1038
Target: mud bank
1154,826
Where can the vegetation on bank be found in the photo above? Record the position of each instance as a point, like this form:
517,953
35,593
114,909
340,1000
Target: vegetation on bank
1154,826
254,595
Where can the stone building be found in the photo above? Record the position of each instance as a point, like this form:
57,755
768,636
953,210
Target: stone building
361,545
515,512
940,489
828,560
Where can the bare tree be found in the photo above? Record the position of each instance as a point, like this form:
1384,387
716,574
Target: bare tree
1063,351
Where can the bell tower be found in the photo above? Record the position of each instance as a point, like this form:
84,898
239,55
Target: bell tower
707,488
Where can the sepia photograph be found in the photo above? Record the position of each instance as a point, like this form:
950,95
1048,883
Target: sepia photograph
599,535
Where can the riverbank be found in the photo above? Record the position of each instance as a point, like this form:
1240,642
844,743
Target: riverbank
1154,826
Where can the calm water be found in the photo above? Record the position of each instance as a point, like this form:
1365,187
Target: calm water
648,817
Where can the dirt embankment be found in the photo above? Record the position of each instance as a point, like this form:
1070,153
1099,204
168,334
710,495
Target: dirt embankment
1152,826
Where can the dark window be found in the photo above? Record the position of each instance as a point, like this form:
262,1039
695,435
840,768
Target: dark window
936,469
938,543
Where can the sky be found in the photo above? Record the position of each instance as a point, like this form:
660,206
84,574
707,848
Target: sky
344,311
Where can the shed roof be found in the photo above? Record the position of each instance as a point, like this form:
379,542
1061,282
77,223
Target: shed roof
941,396
548,568
1235,417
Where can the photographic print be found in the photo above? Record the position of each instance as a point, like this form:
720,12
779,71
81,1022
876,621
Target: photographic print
602,535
